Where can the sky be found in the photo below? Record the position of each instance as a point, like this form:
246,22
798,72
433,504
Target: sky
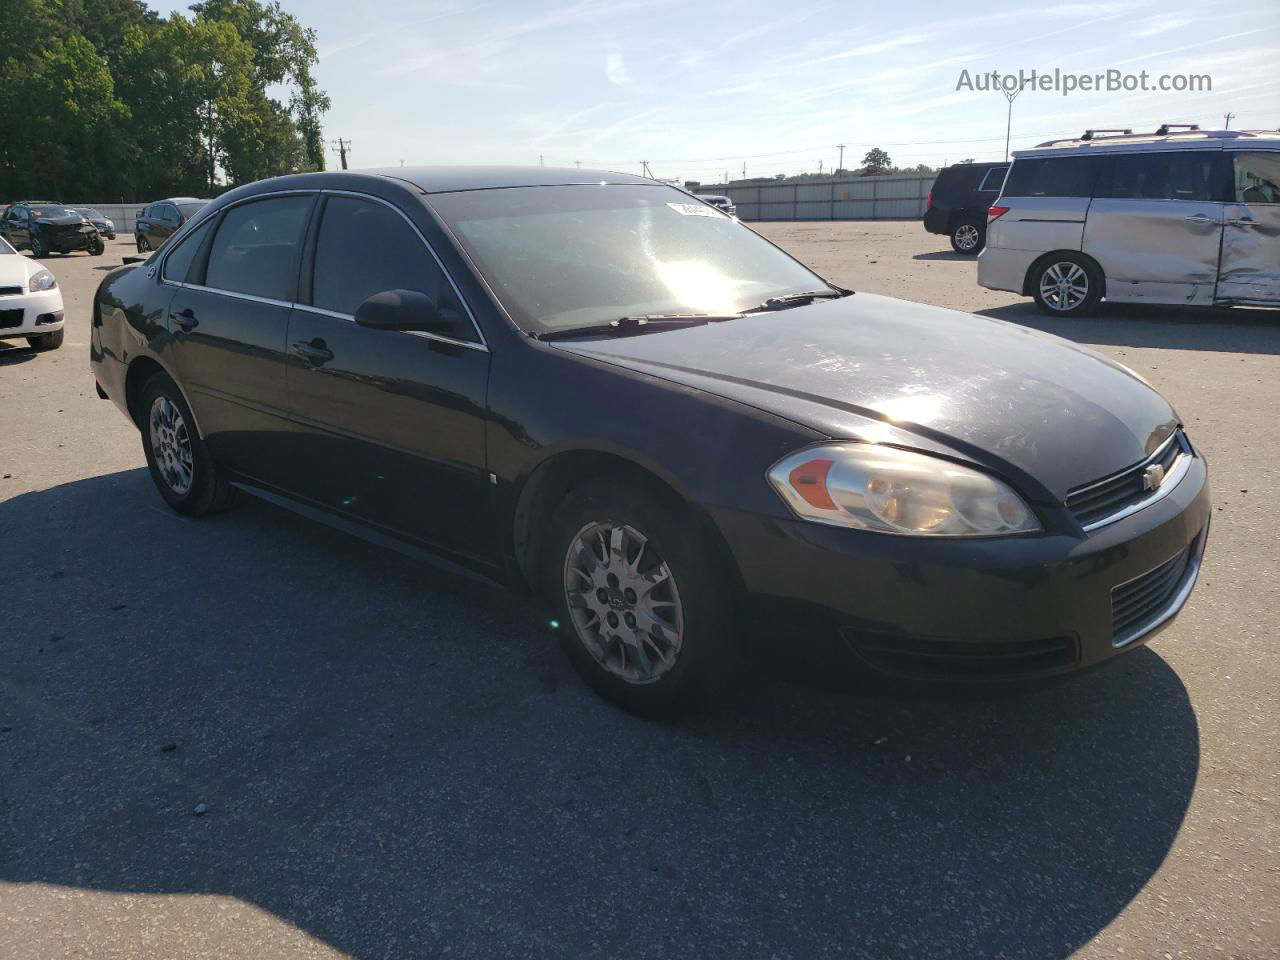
701,89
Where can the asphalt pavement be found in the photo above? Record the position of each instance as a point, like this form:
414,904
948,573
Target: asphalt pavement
392,762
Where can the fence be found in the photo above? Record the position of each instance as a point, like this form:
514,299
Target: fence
855,198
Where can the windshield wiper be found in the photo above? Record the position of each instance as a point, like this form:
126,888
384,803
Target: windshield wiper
637,324
799,299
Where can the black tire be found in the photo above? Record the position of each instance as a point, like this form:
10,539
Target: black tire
38,248
1047,277
46,341
98,248
142,243
703,656
207,490
969,236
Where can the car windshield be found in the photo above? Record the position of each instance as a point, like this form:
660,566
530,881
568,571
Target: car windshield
567,256
189,210
91,213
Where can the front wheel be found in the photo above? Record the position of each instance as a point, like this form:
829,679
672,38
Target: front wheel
180,464
38,247
142,243
642,606
968,237
46,341
98,248
1067,285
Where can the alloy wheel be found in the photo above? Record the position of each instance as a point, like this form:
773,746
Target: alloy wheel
1064,286
171,445
624,602
966,236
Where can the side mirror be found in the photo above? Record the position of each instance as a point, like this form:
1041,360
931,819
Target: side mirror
405,310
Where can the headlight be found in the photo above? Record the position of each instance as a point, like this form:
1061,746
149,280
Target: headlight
872,487
42,280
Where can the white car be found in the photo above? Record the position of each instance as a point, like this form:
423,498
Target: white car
30,301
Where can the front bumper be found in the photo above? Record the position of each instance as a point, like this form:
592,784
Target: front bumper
999,609
66,241
29,314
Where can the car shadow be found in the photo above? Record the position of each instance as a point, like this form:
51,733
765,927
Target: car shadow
397,761
11,353
946,255
1232,330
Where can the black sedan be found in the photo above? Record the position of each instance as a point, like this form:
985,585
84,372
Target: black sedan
602,390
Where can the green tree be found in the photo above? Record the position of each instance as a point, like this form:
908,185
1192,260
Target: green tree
876,162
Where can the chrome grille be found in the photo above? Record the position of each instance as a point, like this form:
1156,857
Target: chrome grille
1102,501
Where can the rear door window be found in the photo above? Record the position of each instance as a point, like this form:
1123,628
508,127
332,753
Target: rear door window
1257,177
994,179
255,250
1163,175
1050,177
177,265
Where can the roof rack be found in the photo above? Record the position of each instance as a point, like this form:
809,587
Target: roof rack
1114,131
1167,128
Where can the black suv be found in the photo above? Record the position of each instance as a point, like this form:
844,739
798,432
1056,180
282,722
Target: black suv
158,221
959,201
49,228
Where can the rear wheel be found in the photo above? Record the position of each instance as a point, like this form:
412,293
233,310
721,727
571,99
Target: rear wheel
642,605
142,243
46,341
179,461
968,237
1067,285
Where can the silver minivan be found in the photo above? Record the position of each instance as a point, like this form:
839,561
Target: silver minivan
1184,216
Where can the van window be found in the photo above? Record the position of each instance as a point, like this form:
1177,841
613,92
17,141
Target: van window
1166,175
1050,177
1257,177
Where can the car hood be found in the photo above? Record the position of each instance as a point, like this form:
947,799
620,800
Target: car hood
60,221
878,368
14,270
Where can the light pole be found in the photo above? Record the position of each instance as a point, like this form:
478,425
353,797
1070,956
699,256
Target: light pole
1009,95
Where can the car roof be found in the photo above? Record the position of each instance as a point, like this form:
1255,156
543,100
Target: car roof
441,179
1145,142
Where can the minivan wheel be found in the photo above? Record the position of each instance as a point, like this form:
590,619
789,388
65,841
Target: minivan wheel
1067,285
178,459
968,237
640,604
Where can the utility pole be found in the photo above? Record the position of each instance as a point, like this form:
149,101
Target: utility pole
1228,117
343,147
644,168
578,164
540,160
819,168
840,147
744,169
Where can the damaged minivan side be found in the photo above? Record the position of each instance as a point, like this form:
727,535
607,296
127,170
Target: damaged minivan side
1184,216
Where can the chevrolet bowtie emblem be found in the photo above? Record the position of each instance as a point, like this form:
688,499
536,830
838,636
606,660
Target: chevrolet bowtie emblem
1152,477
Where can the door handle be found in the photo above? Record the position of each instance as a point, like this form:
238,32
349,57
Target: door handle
186,320
1199,218
313,351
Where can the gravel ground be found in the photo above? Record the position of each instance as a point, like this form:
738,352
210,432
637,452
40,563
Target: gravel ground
395,763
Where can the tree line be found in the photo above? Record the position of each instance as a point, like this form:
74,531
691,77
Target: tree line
105,98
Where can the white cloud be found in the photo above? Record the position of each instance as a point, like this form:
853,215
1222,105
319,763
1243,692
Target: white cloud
615,68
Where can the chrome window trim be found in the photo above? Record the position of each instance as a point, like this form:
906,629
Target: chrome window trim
1176,602
253,298
425,334
1177,471
482,343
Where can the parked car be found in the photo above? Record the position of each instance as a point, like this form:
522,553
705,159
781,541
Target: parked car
581,384
158,221
957,204
47,228
723,203
30,301
104,225
1175,217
